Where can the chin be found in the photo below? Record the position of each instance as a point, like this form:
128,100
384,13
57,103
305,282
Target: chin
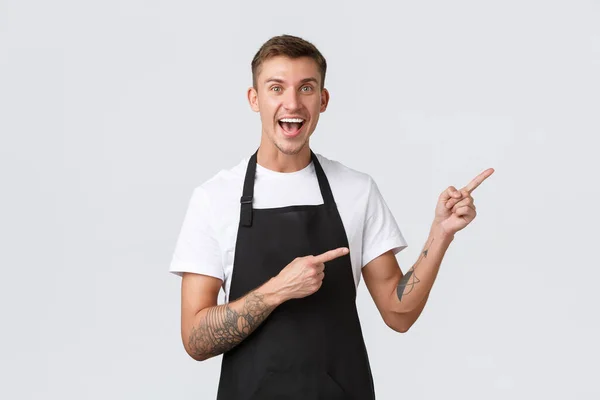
290,148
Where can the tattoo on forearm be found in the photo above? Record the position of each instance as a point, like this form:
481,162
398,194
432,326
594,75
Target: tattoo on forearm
408,281
223,328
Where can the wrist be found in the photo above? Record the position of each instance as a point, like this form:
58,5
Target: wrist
438,232
271,291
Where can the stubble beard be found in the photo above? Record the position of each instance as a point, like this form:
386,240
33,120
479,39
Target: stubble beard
291,149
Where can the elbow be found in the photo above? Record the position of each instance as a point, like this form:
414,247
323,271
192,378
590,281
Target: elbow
399,328
196,356
194,351
192,344
398,324
402,328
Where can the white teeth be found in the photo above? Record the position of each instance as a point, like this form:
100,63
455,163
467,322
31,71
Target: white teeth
297,120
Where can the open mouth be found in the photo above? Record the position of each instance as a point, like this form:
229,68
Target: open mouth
291,126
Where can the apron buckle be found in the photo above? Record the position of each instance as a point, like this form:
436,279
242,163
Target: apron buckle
246,211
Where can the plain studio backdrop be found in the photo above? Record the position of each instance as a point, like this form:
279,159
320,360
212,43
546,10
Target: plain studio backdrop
112,112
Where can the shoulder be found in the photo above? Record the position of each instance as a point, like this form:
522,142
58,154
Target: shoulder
339,173
223,185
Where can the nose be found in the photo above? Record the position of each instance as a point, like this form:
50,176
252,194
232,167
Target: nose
291,100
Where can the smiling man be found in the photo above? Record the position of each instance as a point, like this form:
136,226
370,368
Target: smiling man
288,234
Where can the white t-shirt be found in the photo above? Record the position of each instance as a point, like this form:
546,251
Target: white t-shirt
206,243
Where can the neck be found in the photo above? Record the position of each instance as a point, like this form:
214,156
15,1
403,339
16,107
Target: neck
272,158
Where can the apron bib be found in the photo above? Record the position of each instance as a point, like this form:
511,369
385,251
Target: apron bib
310,348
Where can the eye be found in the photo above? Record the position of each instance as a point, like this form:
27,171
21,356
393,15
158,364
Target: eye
307,87
276,87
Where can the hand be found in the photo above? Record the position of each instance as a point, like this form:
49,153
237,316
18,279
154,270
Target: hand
455,208
304,276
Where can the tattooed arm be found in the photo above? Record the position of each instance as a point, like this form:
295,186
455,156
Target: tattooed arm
208,329
417,282
401,298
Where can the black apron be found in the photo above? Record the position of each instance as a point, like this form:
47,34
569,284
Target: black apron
309,348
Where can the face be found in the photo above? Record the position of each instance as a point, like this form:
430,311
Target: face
289,100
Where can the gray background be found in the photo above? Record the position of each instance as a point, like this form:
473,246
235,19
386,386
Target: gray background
112,112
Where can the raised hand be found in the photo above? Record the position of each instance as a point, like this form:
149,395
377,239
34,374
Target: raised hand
456,208
304,276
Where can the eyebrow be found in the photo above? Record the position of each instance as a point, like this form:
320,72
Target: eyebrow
278,80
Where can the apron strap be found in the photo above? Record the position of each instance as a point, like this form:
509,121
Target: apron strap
248,190
323,182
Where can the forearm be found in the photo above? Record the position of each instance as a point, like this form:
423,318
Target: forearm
414,286
218,329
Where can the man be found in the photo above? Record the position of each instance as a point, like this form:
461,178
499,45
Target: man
287,234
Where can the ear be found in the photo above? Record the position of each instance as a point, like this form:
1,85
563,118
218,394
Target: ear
324,99
253,99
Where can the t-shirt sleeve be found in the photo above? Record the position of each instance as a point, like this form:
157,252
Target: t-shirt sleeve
197,249
381,232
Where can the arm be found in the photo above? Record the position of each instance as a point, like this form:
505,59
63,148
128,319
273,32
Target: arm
400,298
208,329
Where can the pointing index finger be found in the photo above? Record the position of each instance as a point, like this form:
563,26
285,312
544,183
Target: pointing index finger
478,180
331,254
